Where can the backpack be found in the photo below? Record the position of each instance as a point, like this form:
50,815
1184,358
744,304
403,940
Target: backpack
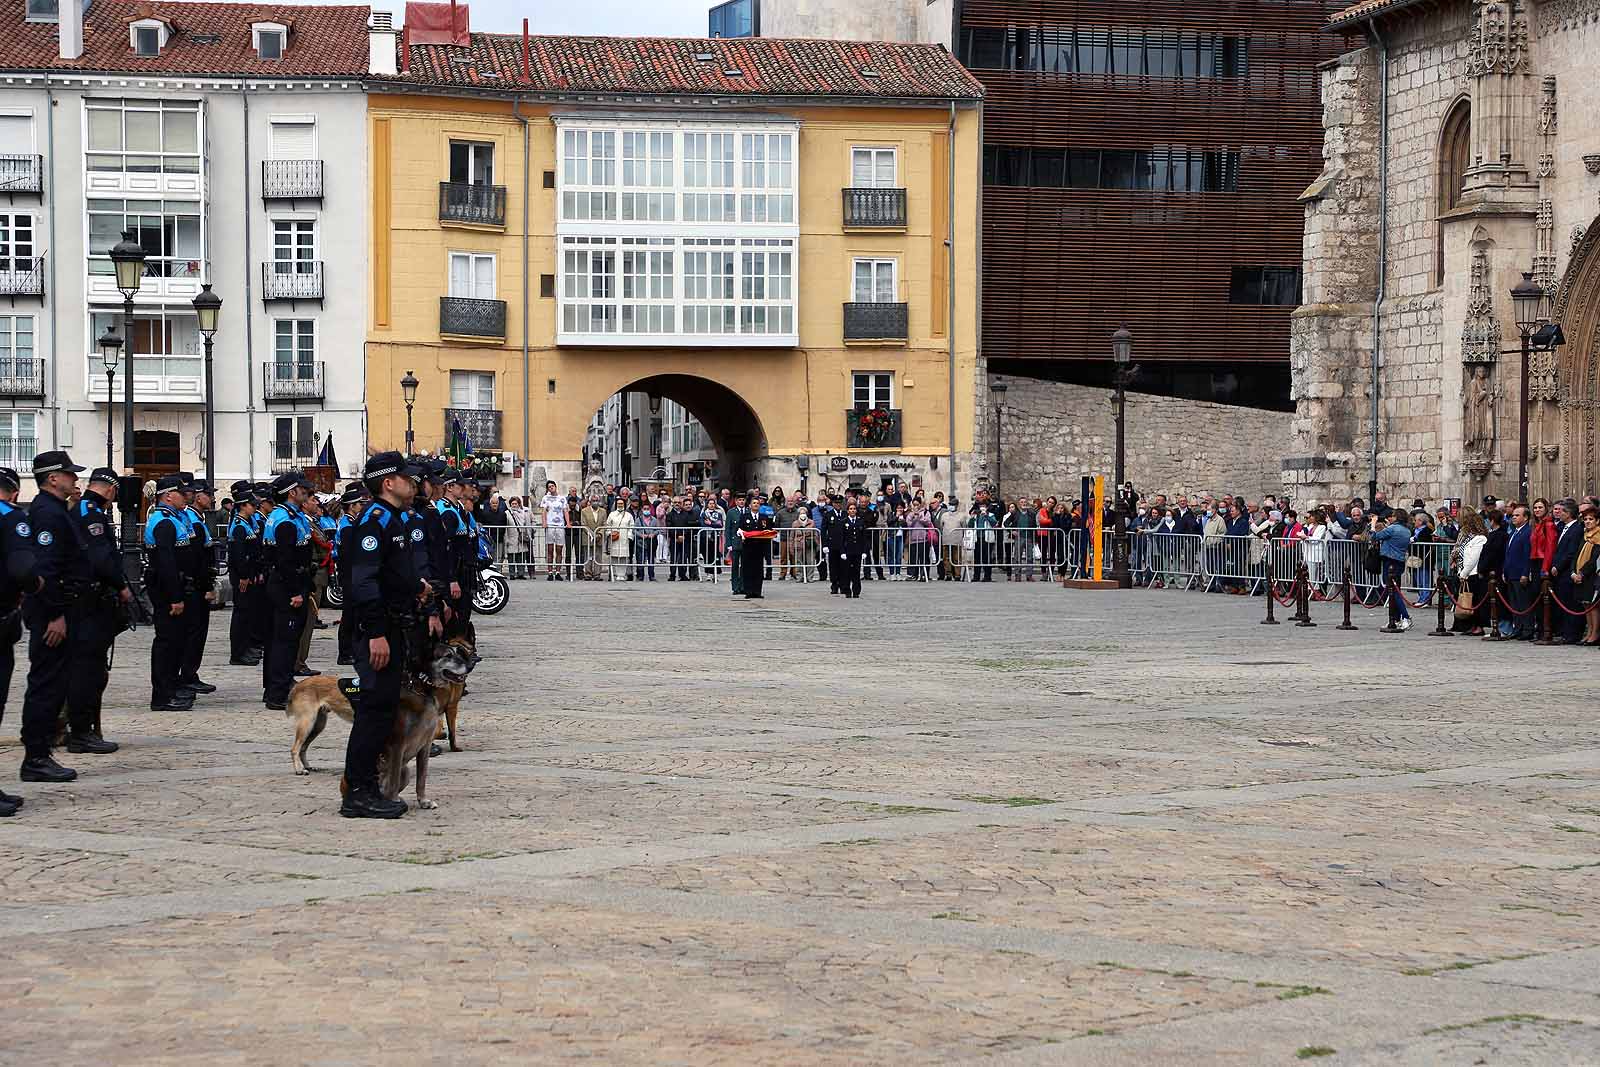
1374,560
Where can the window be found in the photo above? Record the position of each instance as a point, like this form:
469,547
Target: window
16,242
16,347
269,39
1455,156
294,350
42,10
589,287
872,168
1276,286
768,163
736,18
647,277
294,440
1165,168
1152,53
144,136
166,344
708,286
471,163
647,164
472,389
873,389
19,440
168,231
146,40
294,139
472,275
875,281
588,158
708,161
294,246
766,287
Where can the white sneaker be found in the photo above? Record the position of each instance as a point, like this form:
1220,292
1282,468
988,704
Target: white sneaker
1405,624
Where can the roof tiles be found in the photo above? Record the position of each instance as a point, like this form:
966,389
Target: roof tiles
1366,9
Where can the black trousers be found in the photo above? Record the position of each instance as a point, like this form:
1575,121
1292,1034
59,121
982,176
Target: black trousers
850,576
196,629
88,669
261,613
166,652
244,624
347,625
1568,627
753,564
736,572
49,671
283,649
374,710
10,634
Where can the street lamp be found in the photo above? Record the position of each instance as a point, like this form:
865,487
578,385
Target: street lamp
110,353
128,259
998,388
1532,309
408,389
208,308
1122,356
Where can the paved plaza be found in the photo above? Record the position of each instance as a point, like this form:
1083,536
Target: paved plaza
998,824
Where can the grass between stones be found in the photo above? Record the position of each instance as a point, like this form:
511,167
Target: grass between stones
1311,1052
1009,802
1514,1018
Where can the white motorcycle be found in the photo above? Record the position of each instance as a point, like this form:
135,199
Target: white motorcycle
493,592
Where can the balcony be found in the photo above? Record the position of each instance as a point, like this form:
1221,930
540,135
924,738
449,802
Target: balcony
472,205
21,174
875,209
22,277
872,428
291,382
481,425
875,323
22,378
299,279
291,179
282,464
461,316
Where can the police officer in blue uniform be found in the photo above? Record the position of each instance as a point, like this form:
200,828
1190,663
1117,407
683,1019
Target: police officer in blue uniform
105,612
244,570
11,517
286,546
52,568
460,551
389,598
166,545
351,504
263,613
200,593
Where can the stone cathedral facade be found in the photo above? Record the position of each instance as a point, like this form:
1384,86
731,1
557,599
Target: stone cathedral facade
1462,150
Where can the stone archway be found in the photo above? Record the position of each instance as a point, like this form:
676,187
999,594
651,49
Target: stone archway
1569,380
731,423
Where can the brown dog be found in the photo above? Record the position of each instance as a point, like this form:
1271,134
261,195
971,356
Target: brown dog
415,725
449,694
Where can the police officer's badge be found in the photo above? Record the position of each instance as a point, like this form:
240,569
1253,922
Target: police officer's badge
24,529
369,543
416,535
46,537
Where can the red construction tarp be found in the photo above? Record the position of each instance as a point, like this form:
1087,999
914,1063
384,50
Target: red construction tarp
438,23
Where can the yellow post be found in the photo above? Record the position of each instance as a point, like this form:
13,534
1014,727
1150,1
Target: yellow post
1099,503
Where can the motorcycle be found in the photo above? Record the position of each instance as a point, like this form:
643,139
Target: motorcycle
493,592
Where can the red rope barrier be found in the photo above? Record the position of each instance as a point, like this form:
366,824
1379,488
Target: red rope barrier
1501,594
1290,601
1569,611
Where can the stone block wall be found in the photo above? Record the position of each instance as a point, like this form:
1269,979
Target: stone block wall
1053,434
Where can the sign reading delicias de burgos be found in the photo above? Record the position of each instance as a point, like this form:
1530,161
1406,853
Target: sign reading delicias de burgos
896,465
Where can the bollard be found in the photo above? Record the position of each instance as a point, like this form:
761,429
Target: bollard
1302,581
1439,599
1272,598
1494,612
1347,624
1305,598
1544,611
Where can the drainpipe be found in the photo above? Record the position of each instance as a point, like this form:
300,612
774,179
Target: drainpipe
950,316
1383,242
249,300
527,386
50,215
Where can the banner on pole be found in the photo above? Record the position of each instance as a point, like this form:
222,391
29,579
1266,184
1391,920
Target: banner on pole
1098,504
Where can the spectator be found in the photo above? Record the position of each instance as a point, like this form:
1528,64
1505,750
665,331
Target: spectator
519,539
952,528
554,506
1464,558
1393,540
594,518
1521,578
646,532
1563,570
1583,575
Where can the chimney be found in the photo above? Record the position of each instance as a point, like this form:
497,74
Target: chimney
381,44
69,27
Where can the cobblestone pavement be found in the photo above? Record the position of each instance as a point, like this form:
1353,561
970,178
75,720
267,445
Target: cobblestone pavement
1000,824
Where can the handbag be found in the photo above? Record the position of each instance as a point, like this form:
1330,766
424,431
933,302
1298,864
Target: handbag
1466,606
1374,560
969,539
1413,562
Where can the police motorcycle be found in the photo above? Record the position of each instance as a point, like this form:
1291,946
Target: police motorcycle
493,591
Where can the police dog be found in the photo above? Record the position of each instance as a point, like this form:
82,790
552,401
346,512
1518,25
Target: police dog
415,724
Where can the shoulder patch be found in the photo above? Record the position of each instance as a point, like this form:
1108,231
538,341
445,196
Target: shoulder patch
97,529
24,529
46,537
416,535
369,543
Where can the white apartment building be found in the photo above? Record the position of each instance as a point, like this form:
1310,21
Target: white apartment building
230,142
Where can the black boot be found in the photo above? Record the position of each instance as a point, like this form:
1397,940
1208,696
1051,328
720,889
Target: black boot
8,809
367,804
180,701
45,769
196,685
91,744
11,799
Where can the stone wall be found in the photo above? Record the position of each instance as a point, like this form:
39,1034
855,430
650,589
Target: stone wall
1052,435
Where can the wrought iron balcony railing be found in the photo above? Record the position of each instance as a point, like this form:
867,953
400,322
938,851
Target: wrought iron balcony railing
21,174
291,179
872,428
481,425
479,205
872,208
466,317
22,376
292,381
298,279
291,464
875,322
22,277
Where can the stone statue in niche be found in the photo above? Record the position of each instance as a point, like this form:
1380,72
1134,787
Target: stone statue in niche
1478,425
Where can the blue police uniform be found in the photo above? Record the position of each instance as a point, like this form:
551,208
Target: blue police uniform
10,597
167,536
287,548
202,569
101,623
244,565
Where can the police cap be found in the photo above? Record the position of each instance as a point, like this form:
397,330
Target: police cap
283,483
385,464
168,482
353,495
242,488
9,478
105,474
54,463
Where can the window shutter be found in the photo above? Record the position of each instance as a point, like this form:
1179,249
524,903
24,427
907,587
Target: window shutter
294,140
16,135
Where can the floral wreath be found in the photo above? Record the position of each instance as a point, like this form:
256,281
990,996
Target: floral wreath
873,426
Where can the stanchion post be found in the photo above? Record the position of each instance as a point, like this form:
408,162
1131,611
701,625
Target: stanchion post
1544,611
1494,611
1346,624
1305,598
1439,598
1272,598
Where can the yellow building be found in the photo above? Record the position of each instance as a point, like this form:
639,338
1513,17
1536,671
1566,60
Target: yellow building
781,236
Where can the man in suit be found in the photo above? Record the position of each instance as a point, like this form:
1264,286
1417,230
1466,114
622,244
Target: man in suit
1521,583
735,517
1569,539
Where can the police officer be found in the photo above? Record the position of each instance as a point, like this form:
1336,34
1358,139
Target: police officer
387,596
754,561
286,546
103,616
263,612
244,567
351,503
52,567
166,544
11,517
459,551
735,544
200,590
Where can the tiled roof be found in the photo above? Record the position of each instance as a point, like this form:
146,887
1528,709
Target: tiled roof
650,65
1365,10
323,41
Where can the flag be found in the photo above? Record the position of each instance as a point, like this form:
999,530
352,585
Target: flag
328,458
459,446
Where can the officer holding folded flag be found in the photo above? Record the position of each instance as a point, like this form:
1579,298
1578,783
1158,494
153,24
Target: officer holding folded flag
166,544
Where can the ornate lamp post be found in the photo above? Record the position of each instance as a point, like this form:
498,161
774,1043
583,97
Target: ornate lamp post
998,388
1532,309
408,389
128,259
1122,355
208,308
110,353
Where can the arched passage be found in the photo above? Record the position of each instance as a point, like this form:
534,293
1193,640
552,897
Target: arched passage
1576,369
631,441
